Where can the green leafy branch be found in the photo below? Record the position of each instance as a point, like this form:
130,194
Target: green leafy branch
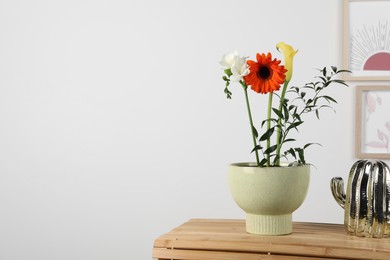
309,99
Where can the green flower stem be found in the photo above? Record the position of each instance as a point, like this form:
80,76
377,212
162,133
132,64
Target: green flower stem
251,122
269,125
278,130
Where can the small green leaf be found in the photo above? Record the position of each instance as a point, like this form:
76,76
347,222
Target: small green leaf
309,86
255,133
344,71
267,134
268,120
291,107
294,125
263,162
286,113
228,93
301,155
309,144
341,82
256,148
228,72
323,79
292,152
297,116
328,98
278,113
271,149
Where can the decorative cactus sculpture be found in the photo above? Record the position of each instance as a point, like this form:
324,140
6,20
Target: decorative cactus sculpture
366,203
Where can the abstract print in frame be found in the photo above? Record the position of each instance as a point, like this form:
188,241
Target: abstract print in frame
373,122
366,39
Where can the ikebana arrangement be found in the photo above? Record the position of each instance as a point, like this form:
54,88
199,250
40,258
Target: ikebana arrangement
272,187
266,75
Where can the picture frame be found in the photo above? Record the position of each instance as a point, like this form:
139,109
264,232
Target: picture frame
366,39
372,130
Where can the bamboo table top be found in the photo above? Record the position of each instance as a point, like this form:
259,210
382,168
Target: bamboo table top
222,239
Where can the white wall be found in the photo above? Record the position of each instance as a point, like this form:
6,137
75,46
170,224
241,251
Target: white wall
114,127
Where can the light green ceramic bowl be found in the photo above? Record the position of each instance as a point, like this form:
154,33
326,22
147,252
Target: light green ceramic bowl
268,195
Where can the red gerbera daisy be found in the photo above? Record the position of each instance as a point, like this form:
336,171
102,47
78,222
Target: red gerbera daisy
266,75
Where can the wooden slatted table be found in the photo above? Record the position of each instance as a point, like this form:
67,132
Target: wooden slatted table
221,239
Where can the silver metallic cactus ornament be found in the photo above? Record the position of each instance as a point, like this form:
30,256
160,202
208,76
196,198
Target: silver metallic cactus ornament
366,203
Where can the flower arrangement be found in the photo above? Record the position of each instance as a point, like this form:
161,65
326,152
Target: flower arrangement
266,75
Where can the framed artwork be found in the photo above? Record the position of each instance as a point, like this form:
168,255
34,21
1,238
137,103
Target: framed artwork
366,39
373,122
